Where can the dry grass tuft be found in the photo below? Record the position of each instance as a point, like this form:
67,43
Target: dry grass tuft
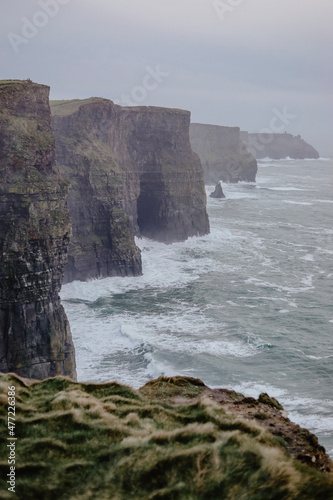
102,441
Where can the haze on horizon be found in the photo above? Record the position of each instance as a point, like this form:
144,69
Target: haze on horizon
230,62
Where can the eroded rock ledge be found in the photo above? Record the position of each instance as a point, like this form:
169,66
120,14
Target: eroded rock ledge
35,338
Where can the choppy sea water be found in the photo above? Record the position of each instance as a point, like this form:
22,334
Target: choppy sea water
248,307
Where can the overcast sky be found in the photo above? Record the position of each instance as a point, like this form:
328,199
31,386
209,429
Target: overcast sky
230,62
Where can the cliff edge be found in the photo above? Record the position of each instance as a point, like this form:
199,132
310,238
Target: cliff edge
223,154
35,338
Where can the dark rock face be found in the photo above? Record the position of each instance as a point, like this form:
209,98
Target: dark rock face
102,243
35,338
132,172
218,192
223,154
278,146
171,205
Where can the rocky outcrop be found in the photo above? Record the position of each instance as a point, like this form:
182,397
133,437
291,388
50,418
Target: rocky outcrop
132,172
223,154
278,146
218,192
35,338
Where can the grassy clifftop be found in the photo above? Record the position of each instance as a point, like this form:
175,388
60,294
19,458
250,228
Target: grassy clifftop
172,439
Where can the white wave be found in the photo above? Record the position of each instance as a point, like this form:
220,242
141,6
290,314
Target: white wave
317,358
254,389
276,160
297,202
317,159
265,160
308,281
286,188
308,257
316,423
239,195
290,290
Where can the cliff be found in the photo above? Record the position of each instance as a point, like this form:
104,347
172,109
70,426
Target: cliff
35,338
132,172
278,146
173,439
223,154
102,243
172,200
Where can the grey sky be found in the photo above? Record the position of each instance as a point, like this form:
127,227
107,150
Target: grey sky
231,64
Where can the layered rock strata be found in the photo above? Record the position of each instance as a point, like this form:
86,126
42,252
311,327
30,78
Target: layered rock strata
172,202
35,338
278,146
102,243
224,156
132,172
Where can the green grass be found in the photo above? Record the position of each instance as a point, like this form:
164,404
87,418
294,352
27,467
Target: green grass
108,441
6,82
68,107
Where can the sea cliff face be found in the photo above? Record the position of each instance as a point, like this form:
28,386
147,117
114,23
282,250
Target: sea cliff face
35,338
102,243
172,201
132,172
223,154
278,146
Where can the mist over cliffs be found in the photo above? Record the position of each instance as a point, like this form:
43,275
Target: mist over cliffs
223,154
132,173
35,338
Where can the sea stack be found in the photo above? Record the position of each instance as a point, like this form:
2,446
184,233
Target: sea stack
218,192
35,227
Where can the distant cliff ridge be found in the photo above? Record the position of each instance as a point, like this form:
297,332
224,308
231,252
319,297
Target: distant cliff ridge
223,155
278,146
35,338
132,172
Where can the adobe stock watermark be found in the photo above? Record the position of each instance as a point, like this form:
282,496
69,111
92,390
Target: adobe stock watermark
151,81
277,125
226,7
31,27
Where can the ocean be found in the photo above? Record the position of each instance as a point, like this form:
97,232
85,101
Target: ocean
247,307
